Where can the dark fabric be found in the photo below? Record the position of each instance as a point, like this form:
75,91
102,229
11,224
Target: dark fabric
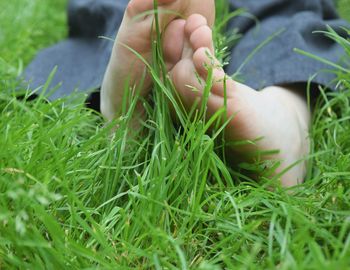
277,62
81,60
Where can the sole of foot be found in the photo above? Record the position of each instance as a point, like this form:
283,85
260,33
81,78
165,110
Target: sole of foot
277,115
135,35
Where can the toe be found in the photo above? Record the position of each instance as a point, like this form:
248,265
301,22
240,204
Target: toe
173,47
199,33
187,84
202,37
190,88
203,60
136,7
193,22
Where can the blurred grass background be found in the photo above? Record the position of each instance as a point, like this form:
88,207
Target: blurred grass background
29,25
344,9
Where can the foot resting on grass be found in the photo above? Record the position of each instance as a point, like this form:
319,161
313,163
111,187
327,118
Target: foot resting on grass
278,115
136,33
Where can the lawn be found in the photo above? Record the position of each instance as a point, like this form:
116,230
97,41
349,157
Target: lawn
73,196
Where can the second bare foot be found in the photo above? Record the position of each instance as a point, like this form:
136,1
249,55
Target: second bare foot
277,115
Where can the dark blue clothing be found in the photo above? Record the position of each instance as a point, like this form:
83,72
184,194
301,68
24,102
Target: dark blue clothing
295,21
82,58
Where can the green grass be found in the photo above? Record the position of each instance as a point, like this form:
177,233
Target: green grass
344,8
72,196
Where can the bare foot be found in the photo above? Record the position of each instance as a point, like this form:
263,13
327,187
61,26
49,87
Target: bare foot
277,115
136,32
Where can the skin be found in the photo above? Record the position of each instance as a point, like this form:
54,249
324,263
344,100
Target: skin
136,33
279,115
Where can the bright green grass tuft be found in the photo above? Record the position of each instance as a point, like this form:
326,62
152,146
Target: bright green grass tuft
73,196
344,8
27,26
